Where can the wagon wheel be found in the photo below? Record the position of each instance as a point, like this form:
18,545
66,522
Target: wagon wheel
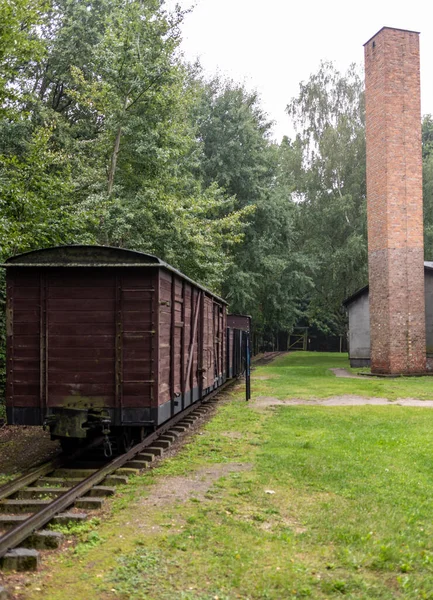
139,433
124,440
69,444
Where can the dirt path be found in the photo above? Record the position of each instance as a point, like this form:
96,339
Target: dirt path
344,373
170,490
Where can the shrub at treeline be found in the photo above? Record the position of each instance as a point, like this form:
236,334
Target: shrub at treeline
107,136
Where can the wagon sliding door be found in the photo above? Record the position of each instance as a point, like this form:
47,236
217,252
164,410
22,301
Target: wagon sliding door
135,346
192,306
219,336
174,311
209,366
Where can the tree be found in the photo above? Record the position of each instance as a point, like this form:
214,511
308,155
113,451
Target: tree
235,136
427,153
19,43
267,275
329,115
271,273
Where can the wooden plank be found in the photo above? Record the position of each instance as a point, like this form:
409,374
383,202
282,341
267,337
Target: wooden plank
172,343
60,329
84,354
27,302
26,278
26,329
143,363
25,375
118,363
138,292
142,278
82,341
23,354
137,389
154,398
145,355
138,402
83,363
144,305
27,389
194,378
136,321
182,348
201,347
81,278
131,375
224,362
82,316
25,341
95,399
141,344
78,305
193,336
26,365
27,316
177,362
71,293
186,333
135,353
164,319
26,296
68,377
25,400
81,389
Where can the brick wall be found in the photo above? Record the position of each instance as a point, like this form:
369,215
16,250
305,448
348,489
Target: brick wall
394,202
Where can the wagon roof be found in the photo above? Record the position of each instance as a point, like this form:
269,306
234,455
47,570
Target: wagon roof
81,256
93,256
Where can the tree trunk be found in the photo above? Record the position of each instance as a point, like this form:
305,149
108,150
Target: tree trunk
114,161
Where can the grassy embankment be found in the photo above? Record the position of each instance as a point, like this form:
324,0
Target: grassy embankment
338,501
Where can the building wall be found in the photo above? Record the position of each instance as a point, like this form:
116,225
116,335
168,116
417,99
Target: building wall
359,331
428,282
359,325
394,202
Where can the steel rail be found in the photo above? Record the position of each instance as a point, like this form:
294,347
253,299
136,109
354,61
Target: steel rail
13,486
18,534
16,484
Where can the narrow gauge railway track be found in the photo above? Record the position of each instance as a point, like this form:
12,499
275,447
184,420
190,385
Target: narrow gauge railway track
85,493
267,357
40,471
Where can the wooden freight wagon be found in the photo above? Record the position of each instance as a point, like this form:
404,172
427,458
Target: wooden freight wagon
238,329
105,335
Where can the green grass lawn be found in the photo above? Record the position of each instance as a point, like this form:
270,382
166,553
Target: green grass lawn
334,502
307,375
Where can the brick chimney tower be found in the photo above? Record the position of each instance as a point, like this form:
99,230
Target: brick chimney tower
394,202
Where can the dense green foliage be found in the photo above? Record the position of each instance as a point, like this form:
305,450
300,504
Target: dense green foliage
329,113
427,155
107,137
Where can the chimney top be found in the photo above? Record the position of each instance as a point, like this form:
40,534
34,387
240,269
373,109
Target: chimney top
393,29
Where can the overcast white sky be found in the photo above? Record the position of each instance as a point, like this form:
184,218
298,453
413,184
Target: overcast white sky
272,46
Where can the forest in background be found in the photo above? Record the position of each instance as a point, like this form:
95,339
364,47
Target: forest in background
108,137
